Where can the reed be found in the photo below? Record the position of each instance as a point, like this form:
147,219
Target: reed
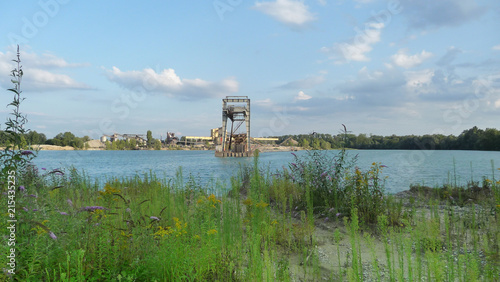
267,228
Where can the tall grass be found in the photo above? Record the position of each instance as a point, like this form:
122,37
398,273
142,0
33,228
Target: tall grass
146,228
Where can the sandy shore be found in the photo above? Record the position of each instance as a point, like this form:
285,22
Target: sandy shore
93,145
49,148
97,145
53,148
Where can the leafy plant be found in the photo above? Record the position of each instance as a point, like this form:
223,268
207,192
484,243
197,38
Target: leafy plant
14,157
335,185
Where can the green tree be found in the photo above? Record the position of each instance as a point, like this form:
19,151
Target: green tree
34,137
490,140
132,143
304,143
157,144
469,139
4,138
107,144
68,138
23,144
316,144
325,145
149,138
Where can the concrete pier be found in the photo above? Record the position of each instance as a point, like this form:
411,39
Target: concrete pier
233,154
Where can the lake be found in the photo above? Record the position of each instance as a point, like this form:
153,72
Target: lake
404,167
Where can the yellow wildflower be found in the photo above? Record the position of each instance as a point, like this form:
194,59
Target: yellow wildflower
212,232
126,235
248,202
108,190
39,230
261,205
163,231
213,199
98,214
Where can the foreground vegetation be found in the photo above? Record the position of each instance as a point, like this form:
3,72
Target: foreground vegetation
277,226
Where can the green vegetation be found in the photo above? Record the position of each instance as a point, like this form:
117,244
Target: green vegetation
134,144
336,185
122,145
268,227
68,139
471,139
16,155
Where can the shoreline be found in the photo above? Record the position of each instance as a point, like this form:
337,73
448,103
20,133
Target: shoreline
262,149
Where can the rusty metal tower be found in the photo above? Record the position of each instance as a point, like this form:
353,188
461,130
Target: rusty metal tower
236,109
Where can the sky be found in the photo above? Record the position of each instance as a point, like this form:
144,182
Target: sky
379,67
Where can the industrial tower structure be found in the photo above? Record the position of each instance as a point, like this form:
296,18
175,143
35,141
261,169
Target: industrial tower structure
236,109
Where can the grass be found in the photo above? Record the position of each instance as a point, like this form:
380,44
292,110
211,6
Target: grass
270,227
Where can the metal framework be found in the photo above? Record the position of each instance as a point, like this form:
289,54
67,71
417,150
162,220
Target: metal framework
236,109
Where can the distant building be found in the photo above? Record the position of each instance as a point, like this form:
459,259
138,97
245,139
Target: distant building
171,139
216,134
127,137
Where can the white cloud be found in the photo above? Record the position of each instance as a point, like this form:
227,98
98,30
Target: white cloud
169,83
322,2
415,79
305,83
290,12
345,98
265,102
267,105
47,61
497,104
408,61
497,47
38,72
43,80
360,45
301,96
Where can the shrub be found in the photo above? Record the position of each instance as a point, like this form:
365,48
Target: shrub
337,185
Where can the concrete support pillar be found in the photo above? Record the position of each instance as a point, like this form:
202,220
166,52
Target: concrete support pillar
247,123
224,126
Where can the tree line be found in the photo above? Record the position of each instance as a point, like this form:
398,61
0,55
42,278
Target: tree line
470,139
35,138
69,139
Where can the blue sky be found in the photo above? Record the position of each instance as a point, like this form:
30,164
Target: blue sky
380,67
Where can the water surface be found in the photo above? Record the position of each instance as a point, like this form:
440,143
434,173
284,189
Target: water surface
404,167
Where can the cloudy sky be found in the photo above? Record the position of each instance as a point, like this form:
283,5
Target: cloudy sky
377,66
